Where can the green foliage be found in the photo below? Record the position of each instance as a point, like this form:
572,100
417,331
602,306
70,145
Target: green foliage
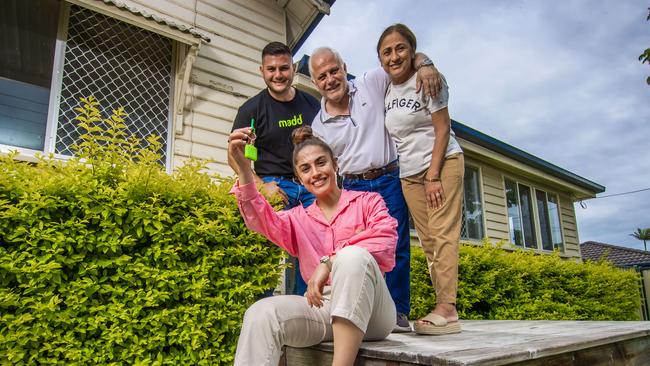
521,285
106,259
642,234
645,56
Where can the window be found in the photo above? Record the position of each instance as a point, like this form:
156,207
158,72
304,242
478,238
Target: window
472,212
121,65
524,212
472,227
118,63
527,220
27,45
514,216
548,212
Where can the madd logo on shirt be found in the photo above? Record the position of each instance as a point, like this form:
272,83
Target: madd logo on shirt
295,121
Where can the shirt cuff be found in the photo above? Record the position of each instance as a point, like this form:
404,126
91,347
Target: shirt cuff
244,192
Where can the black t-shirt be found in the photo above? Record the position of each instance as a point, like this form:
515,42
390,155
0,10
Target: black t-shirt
274,122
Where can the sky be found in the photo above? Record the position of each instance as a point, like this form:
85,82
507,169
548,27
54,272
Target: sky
559,80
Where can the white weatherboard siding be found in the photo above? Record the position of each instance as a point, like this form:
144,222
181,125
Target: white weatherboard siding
226,71
496,219
569,227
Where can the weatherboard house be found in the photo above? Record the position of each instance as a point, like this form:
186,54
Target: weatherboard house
182,68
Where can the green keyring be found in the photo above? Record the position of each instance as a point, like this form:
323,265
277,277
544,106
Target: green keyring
250,151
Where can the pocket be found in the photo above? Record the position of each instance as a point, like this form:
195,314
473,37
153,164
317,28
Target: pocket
454,165
417,178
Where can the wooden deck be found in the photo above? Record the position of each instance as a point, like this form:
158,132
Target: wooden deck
501,342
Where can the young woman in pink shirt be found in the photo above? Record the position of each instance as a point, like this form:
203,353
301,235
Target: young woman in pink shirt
345,242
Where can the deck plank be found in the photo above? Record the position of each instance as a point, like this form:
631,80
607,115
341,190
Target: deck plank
502,342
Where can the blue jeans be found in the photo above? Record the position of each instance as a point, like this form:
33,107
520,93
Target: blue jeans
297,195
390,188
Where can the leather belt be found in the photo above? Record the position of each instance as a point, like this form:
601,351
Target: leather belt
374,173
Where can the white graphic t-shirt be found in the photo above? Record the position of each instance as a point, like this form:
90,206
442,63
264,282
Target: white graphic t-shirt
408,120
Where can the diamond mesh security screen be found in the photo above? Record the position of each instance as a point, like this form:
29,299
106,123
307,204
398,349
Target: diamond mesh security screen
122,66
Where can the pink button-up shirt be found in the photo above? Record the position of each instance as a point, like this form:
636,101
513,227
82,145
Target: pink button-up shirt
361,219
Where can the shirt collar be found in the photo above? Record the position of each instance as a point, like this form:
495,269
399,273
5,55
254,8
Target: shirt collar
344,201
326,117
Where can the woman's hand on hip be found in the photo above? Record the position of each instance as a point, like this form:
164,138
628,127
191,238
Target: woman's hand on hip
435,194
316,284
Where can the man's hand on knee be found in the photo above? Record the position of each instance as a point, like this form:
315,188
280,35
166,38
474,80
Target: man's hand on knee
271,189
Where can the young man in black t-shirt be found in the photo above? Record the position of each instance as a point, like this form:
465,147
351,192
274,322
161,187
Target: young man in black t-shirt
277,111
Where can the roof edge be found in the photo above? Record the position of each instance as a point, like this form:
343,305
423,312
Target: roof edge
597,243
481,139
172,23
310,29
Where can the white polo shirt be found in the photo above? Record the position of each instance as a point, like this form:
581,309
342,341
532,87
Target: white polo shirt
359,141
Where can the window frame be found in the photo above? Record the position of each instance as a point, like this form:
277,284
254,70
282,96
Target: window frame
413,233
184,52
57,80
534,189
479,172
548,194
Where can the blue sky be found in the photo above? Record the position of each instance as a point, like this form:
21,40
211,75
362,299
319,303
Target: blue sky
562,82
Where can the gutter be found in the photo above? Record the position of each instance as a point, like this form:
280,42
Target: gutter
323,7
489,142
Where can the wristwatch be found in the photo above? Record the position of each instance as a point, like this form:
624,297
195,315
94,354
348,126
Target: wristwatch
326,260
426,62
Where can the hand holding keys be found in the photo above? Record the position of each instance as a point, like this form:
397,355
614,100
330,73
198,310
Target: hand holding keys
250,151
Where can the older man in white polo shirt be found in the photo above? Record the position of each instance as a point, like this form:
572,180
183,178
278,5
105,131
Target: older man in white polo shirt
351,121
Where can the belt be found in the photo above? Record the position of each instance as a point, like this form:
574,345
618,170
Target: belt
371,174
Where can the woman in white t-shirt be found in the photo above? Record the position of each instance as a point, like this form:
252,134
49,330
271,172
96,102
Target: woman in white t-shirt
431,171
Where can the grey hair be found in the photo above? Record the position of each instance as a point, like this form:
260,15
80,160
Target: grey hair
321,50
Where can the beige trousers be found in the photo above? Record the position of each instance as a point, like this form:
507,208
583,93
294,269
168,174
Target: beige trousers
439,229
357,293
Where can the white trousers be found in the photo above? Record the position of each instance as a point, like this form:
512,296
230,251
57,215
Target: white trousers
357,293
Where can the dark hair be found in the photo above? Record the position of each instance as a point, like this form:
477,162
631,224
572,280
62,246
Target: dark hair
303,137
403,30
276,48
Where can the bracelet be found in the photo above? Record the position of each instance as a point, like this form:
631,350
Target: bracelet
431,180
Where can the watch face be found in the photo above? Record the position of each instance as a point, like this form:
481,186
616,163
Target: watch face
325,259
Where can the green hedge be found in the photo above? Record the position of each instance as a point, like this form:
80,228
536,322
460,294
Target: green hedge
110,260
499,284
106,259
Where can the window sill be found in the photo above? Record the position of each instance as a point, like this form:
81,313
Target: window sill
27,155
512,248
